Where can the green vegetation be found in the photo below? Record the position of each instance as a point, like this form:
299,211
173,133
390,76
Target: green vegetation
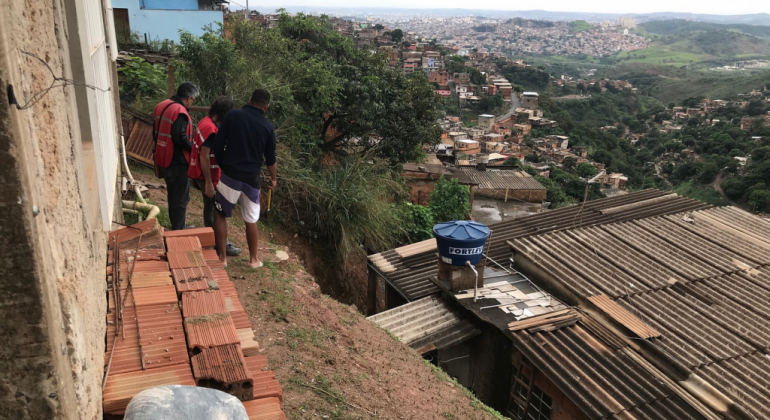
580,26
700,193
345,121
681,26
142,84
448,201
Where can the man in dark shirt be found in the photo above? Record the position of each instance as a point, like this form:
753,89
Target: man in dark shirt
174,170
244,143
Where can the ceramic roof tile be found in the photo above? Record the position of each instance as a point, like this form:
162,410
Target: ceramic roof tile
264,409
185,259
256,363
241,319
249,343
202,303
224,367
205,235
155,295
142,280
183,243
192,279
127,233
210,331
162,335
120,388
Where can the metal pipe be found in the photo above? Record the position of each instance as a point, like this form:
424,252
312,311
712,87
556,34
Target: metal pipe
133,183
476,288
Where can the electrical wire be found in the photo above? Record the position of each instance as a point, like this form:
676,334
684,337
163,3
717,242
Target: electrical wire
57,82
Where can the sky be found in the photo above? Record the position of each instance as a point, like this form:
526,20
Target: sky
719,7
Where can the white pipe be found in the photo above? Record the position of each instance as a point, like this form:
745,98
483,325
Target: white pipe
476,288
133,183
129,211
133,205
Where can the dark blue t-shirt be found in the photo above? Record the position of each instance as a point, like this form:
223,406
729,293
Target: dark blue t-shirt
245,141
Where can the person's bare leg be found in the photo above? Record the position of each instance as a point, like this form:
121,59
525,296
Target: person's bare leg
252,237
220,235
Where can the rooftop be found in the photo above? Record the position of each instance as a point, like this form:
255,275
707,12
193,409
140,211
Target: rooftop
500,180
701,278
409,273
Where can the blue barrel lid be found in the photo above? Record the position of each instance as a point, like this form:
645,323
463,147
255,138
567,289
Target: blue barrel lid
461,230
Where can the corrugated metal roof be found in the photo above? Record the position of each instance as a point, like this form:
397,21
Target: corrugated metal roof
411,275
501,180
604,383
426,322
621,315
700,278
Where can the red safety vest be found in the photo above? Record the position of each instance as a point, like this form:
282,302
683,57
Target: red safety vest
165,114
206,127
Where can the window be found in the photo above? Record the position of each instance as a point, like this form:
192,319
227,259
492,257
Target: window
527,401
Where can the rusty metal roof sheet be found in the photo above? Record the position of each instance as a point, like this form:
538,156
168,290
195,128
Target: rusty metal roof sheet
205,235
210,331
411,275
202,303
624,317
120,388
183,243
192,279
501,180
185,259
140,144
428,322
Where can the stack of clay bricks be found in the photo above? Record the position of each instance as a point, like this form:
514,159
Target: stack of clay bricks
149,346
220,347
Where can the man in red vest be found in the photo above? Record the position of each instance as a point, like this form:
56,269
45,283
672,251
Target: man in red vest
207,129
173,133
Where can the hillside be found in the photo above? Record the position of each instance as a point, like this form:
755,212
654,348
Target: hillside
703,46
330,361
672,84
681,26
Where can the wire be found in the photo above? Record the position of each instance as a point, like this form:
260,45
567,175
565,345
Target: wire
36,97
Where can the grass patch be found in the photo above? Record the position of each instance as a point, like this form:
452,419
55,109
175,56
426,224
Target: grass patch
296,337
705,194
475,402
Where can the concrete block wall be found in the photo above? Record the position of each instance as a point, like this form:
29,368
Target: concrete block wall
52,252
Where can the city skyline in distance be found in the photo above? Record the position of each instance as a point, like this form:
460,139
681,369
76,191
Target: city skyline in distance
598,7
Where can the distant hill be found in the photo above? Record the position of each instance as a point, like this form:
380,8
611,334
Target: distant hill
529,23
749,19
698,44
680,26
580,26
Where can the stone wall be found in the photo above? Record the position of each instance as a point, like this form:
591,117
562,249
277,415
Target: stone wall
52,252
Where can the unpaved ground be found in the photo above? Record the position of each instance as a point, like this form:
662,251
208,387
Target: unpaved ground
331,362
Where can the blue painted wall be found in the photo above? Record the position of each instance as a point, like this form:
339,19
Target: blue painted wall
165,24
169,4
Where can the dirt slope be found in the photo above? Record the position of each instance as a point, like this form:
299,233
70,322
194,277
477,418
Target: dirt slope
331,362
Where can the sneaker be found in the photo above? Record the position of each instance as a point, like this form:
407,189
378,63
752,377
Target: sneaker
232,250
190,226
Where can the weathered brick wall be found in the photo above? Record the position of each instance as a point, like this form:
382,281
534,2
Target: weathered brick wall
52,252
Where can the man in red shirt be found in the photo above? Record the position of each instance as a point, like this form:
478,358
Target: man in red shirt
207,128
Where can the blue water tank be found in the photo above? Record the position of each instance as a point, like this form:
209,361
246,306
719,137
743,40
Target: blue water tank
459,241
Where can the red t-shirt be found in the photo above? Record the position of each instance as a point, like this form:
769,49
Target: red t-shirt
206,129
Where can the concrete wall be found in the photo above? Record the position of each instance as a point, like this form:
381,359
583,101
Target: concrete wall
165,24
170,4
52,285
